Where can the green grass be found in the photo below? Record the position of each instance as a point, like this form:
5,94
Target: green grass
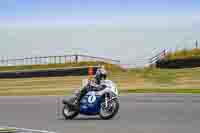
148,80
161,90
155,75
165,75
7,130
139,90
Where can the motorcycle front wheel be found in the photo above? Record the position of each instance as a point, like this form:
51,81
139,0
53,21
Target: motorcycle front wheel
109,112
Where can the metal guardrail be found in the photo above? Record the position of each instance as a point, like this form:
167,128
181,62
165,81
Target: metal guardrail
157,57
75,58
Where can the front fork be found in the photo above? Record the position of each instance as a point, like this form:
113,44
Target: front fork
109,98
106,100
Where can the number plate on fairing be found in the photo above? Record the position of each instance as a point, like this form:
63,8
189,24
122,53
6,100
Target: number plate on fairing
90,104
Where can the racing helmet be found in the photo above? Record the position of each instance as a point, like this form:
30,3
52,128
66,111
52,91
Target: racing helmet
101,74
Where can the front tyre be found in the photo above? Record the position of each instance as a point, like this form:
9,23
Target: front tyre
68,113
109,112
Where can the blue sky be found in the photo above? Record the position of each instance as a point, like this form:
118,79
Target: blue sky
94,10
114,28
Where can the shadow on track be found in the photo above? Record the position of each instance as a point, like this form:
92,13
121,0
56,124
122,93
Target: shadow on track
88,119
82,119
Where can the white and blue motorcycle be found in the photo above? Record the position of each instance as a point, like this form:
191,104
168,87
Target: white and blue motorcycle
104,102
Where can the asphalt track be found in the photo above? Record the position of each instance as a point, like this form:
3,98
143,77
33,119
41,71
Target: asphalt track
139,113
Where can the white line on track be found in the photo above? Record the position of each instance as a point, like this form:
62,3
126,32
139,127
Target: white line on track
30,130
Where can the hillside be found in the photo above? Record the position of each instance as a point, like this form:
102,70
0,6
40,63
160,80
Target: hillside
183,54
185,58
132,80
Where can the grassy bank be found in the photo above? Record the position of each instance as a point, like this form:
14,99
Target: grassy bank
161,90
132,80
183,54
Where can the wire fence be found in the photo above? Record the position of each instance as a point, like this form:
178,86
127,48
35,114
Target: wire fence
54,60
158,56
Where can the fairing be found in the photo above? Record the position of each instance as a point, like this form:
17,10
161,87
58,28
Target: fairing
88,106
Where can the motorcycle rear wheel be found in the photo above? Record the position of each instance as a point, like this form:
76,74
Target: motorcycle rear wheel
68,113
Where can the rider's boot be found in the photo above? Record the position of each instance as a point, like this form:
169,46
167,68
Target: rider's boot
75,104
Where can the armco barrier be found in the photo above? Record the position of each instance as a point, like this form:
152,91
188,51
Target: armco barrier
48,73
179,63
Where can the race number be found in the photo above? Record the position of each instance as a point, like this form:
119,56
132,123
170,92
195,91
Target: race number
91,99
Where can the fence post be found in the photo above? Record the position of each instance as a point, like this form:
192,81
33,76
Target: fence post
31,60
76,58
60,59
196,44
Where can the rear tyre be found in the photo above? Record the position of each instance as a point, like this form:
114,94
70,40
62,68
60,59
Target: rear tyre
110,112
68,113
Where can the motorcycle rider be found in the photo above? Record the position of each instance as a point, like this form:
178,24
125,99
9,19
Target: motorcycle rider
101,74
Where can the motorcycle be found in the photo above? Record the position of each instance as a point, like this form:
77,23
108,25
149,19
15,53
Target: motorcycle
104,102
